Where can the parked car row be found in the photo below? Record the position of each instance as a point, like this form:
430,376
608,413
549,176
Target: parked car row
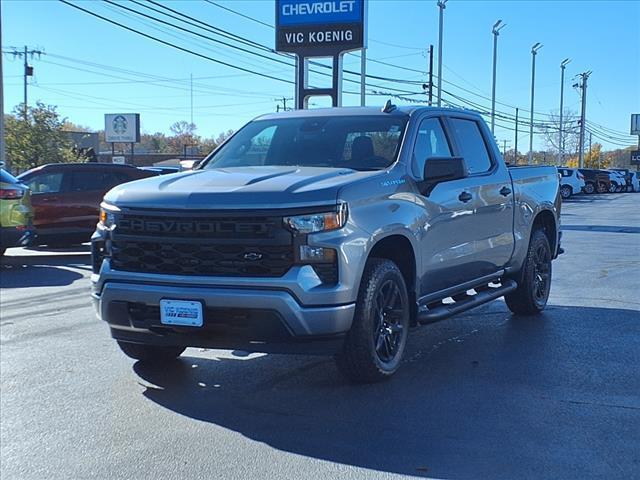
58,204
588,180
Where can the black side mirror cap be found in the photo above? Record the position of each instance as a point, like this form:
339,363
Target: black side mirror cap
442,169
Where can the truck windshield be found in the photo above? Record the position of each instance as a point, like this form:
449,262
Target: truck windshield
356,142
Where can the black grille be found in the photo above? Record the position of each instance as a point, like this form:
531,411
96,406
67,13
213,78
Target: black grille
187,226
201,259
327,272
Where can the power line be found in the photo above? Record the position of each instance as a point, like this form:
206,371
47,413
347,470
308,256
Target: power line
169,44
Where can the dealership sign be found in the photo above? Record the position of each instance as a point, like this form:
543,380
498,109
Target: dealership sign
320,27
122,127
635,157
635,124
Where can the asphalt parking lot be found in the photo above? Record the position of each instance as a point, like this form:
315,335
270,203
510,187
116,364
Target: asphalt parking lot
483,395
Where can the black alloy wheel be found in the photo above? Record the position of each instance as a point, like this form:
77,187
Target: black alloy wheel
388,330
541,275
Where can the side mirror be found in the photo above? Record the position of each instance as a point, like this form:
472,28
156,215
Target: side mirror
442,169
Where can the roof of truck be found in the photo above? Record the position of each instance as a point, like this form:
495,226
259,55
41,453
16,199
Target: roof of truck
354,111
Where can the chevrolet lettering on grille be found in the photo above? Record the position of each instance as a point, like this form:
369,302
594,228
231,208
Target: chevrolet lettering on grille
137,225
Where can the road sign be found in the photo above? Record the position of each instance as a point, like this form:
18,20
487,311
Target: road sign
122,127
635,124
315,28
635,157
118,160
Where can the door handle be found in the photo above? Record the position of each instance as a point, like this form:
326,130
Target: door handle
464,197
505,191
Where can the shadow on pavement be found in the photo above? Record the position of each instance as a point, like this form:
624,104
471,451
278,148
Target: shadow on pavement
589,198
23,271
522,397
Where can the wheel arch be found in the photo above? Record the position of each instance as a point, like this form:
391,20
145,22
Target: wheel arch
399,249
545,220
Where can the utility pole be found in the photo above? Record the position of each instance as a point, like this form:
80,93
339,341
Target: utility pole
561,139
363,77
27,72
496,31
430,75
441,6
2,149
191,77
590,152
583,87
284,104
515,150
534,52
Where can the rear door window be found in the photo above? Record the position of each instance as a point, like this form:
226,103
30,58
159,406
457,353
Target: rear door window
45,183
96,180
472,145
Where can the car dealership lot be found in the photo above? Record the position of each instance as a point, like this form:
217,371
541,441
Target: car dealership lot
482,395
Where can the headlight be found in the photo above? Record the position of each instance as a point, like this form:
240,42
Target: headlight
318,222
107,217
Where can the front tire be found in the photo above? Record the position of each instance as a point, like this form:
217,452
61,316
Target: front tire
566,191
532,293
374,346
150,353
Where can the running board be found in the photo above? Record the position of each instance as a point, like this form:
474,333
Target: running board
468,302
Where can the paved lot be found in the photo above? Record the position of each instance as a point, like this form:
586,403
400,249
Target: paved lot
483,395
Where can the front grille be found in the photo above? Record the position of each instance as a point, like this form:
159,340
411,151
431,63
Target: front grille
176,258
203,226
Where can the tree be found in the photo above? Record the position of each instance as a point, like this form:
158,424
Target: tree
571,136
184,136
38,139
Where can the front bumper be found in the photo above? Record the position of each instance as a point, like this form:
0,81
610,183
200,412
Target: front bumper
246,316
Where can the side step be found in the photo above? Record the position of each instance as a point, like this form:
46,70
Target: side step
468,302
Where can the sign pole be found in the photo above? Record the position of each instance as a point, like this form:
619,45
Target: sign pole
317,28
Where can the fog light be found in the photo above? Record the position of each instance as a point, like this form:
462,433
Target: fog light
317,254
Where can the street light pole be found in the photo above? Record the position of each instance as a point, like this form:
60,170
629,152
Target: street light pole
563,65
496,31
534,52
441,6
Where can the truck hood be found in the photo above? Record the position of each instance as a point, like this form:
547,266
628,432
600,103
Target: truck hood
237,188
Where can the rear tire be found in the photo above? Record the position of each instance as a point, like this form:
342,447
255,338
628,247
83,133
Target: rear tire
589,188
150,353
532,293
374,346
566,191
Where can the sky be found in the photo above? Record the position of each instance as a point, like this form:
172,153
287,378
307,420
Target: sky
90,67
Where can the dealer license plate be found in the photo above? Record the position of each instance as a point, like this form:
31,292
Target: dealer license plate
181,312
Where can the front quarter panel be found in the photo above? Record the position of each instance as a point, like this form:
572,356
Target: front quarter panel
379,207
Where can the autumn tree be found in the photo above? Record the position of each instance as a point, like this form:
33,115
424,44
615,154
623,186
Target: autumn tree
38,139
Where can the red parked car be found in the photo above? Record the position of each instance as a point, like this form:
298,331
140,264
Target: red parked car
66,198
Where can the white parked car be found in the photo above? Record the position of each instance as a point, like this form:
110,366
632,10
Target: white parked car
635,181
571,181
618,181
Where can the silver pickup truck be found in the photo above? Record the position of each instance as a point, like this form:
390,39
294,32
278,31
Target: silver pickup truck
326,232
